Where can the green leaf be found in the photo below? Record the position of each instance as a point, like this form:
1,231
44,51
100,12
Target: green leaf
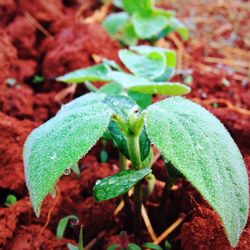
114,23
150,66
143,100
118,3
61,142
170,54
180,28
170,63
128,35
80,242
121,105
111,89
152,246
148,26
142,85
111,64
124,106
118,184
200,147
93,74
72,247
114,247
142,6
80,102
133,246
61,227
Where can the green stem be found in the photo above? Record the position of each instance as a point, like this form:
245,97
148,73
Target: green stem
135,157
134,151
127,209
122,161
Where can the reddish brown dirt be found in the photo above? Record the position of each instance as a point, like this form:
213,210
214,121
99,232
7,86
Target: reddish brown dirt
204,231
26,51
73,47
8,9
12,135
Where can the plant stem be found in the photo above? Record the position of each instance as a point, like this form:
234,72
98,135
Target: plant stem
135,157
137,211
134,151
163,200
127,209
122,161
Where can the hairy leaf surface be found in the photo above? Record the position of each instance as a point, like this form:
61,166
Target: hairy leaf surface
142,85
170,55
118,184
200,147
115,22
147,26
59,143
142,6
93,74
150,66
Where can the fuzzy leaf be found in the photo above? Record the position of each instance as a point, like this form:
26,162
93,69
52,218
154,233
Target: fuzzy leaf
115,22
150,66
200,147
59,143
80,102
142,6
128,35
118,184
180,28
111,89
143,100
170,56
142,85
93,74
118,3
148,26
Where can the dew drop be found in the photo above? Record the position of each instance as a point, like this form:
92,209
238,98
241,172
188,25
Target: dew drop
53,156
199,146
74,221
97,182
67,171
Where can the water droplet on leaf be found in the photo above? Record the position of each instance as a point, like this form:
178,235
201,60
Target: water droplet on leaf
53,156
74,221
67,171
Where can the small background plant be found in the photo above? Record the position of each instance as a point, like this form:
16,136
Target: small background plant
141,20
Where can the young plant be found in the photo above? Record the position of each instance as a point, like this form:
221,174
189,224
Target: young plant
187,135
61,227
149,67
141,20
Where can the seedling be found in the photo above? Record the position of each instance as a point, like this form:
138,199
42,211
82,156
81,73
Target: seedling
141,20
149,67
80,243
186,134
191,140
61,227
